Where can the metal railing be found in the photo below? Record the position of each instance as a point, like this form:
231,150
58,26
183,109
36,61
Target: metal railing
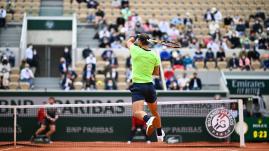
23,40
74,39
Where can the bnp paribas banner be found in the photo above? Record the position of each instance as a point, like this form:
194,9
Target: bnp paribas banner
184,122
105,129
175,110
103,123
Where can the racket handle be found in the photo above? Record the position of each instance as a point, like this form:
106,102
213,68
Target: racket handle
137,36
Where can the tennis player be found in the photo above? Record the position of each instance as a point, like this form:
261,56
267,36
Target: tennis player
49,118
145,63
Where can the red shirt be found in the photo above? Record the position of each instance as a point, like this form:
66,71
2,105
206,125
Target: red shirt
41,115
137,122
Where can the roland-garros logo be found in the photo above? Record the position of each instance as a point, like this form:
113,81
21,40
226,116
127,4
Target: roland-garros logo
220,123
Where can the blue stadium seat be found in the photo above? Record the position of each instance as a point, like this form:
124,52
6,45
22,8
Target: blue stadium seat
165,55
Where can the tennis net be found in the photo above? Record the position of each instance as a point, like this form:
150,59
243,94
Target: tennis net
193,123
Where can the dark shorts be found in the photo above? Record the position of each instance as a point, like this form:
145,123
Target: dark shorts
47,122
143,91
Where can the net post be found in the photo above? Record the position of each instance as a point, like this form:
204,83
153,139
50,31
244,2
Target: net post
15,127
241,123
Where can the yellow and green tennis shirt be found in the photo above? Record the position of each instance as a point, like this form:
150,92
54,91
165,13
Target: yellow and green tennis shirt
143,63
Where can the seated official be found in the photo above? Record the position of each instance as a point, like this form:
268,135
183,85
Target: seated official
195,82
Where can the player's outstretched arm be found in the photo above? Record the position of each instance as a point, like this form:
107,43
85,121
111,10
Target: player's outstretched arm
130,42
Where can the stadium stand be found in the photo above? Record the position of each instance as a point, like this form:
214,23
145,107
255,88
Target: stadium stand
168,9
162,10
16,9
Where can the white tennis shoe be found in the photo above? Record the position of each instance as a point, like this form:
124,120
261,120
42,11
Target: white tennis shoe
150,126
161,138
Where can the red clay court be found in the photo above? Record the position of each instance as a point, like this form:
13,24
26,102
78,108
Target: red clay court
136,146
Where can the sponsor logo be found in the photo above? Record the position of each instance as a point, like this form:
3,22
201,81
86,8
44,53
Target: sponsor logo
220,123
172,139
10,129
90,130
260,124
49,24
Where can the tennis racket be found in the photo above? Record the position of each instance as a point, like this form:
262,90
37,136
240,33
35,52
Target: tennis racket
168,44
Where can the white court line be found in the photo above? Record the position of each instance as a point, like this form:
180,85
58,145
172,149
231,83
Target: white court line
11,148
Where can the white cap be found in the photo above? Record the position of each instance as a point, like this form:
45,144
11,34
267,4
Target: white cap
4,57
256,41
213,9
